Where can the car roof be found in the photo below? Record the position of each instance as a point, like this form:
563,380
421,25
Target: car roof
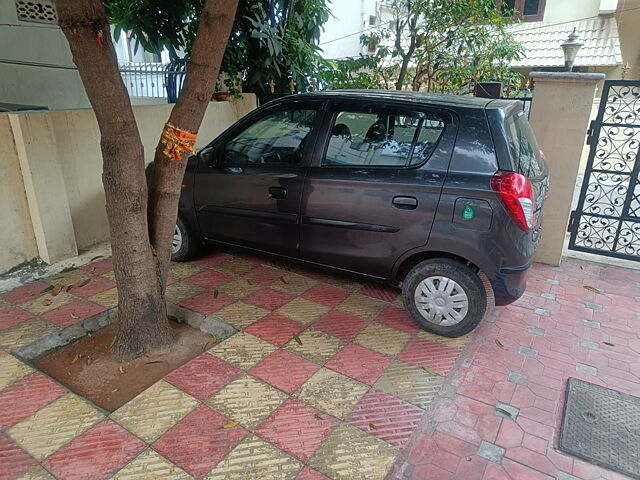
438,99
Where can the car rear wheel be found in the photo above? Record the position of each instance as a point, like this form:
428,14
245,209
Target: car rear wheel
184,246
444,297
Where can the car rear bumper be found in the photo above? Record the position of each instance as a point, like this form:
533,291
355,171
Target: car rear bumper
509,284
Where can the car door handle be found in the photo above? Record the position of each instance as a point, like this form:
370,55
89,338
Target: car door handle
277,192
406,203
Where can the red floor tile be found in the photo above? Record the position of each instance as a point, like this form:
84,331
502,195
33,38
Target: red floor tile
341,324
96,285
297,428
268,298
98,453
73,312
12,316
284,370
386,293
24,293
399,319
13,460
198,442
207,303
325,294
386,417
308,473
263,275
25,397
208,278
435,356
275,328
359,363
99,267
203,376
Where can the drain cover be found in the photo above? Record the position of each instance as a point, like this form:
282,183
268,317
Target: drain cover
602,426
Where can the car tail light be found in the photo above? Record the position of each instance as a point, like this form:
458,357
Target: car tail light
516,194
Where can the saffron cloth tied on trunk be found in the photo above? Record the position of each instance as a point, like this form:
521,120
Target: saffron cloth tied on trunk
177,141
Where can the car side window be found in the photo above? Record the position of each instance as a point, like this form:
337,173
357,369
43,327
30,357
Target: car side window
382,139
277,138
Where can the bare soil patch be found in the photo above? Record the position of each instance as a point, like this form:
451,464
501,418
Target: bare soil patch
86,367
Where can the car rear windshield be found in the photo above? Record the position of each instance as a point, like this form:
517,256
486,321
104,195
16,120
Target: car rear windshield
523,146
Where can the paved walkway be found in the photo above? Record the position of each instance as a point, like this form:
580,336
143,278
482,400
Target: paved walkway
349,400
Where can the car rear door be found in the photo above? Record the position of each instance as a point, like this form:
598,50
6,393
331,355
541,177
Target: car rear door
373,188
250,180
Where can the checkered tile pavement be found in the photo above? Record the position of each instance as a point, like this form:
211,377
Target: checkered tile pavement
327,379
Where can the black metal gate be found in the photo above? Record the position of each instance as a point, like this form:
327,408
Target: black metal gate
607,218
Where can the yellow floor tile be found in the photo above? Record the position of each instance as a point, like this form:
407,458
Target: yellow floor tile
351,454
255,459
238,288
12,370
177,292
235,266
242,350
150,465
154,411
316,346
332,392
303,311
247,400
36,473
110,276
69,278
362,306
53,426
241,315
409,383
344,283
108,298
293,284
25,332
458,342
385,340
184,270
47,302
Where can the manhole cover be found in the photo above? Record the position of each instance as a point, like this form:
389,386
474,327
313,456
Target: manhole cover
602,426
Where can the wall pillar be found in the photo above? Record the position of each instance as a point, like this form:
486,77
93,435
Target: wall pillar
44,185
560,111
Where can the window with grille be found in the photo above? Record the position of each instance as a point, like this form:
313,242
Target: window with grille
40,11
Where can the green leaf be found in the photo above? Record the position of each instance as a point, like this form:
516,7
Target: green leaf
216,292
113,341
114,390
297,339
430,372
592,289
98,256
230,425
499,343
609,344
154,362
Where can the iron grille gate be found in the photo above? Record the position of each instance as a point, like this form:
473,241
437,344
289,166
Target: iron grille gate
607,218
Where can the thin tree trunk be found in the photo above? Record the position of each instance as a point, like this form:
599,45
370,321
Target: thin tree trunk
143,323
406,56
216,22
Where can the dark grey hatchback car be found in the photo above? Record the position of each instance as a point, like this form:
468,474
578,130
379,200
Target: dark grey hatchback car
427,191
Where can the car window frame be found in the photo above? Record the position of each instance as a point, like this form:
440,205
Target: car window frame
217,146
336,107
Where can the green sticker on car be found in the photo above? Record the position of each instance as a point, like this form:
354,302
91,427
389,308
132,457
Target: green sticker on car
468,213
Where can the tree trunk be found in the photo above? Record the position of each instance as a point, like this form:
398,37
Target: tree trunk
216,21
406,56
143,323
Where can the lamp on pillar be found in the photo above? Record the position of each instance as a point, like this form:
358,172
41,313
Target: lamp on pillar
570,48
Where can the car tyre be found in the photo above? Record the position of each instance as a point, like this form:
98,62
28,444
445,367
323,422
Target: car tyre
185,245
444,297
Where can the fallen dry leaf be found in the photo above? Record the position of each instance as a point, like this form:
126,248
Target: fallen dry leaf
114,390
430,372
499,343
121,370
46,302
75,359
372,426
72,315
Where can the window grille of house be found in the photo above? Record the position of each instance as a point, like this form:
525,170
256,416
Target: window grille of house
41,11
373,20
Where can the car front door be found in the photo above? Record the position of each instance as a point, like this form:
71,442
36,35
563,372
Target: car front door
374,186
249,181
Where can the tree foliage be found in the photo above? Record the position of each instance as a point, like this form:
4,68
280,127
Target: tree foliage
271,39
437,46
